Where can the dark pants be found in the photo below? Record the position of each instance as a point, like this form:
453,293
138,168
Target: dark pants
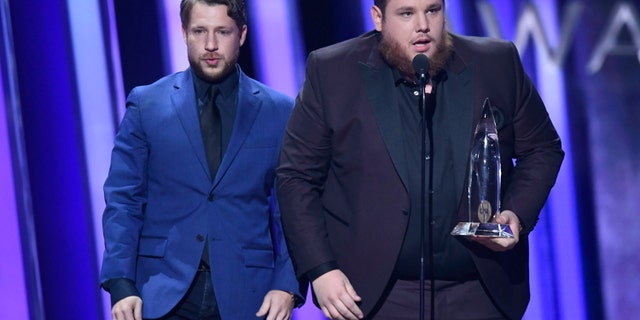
199,303
453,300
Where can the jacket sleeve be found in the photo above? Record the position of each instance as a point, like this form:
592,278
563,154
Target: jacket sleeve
301,174
537,151
125,192
285,278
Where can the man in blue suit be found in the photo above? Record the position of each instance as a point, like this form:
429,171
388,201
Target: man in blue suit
191,231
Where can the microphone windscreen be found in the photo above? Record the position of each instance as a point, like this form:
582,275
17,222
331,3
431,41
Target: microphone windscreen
421,64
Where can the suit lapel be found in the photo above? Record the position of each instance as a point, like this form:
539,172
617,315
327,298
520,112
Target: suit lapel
184,102
380,90
457,98
249,105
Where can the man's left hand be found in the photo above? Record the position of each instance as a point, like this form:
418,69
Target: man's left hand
277,305
503,244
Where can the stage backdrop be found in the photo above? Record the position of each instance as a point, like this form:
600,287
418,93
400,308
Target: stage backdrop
67,65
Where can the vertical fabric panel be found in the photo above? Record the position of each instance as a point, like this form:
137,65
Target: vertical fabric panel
96,106
455,18
279,61
367,21
54,145
19,268
141,42
14,303
177,49
561,206
605,104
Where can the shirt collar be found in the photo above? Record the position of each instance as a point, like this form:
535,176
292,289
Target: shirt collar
398,79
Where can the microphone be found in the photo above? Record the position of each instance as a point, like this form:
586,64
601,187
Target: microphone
421,67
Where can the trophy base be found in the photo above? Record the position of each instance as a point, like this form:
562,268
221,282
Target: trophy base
477,229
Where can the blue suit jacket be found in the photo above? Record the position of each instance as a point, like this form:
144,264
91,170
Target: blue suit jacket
159,209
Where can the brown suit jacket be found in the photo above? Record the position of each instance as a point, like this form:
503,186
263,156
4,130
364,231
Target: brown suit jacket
342,174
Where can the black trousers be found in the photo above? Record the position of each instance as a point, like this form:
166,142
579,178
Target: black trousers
199,303
453,300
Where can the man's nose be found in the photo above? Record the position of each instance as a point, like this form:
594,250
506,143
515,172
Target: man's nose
211,43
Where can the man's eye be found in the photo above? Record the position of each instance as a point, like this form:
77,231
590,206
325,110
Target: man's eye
433,11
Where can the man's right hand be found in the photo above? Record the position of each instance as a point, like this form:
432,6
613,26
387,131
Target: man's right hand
336,296
129,308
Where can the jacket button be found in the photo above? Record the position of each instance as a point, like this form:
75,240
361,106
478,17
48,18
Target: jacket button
200,238
210,197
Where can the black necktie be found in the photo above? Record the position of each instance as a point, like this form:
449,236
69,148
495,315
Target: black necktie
211,129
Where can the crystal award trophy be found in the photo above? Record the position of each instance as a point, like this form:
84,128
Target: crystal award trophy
483,190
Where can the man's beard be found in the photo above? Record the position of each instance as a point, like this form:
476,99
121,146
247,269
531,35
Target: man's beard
394,55
199,68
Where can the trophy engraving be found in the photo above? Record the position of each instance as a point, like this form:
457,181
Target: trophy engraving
484,211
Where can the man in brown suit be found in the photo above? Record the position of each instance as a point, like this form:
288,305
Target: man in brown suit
349,179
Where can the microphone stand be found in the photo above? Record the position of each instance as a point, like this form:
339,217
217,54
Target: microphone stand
430,210
426,128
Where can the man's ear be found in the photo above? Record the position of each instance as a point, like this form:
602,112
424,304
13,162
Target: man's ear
376,16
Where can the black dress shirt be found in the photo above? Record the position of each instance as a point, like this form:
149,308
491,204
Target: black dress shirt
451,260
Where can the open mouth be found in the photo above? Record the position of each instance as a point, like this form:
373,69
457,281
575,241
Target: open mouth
422,45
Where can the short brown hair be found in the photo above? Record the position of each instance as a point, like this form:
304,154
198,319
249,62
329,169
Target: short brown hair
380,4
383,4
236,10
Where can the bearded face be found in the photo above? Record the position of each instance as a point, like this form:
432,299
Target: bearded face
391,51
409,28
213,41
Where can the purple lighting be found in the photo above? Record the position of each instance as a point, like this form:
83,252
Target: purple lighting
556,275
280,64
96,103
367,22
13,303
177,49
279,50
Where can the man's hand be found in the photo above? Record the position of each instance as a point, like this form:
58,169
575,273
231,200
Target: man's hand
277,305
503,244
129,308
336,296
